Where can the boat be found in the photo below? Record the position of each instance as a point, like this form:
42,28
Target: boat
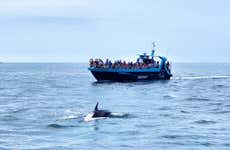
147,67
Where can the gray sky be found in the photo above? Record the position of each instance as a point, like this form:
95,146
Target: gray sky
76,30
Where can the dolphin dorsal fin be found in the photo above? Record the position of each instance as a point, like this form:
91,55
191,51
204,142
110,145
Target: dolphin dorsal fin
96,107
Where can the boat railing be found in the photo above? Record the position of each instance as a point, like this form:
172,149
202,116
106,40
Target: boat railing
143,62
124,65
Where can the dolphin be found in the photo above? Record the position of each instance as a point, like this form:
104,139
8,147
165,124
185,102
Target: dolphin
100,113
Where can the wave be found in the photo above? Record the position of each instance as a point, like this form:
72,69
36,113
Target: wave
185,112
202,77
58,126
205,122
223,112
9,118
69,117
20,110
182,136
121,115
197,99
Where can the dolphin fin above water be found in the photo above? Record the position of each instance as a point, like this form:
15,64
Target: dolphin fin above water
100,113
96,107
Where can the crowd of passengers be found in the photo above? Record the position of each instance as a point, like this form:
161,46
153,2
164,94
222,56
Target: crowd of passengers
139,64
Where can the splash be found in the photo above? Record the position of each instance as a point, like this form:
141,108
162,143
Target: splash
89,117
202,77
69,117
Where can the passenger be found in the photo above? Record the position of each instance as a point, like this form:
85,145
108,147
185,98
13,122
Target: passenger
147,60
110,64
157,64
138,60
107,63
145,56
91,62
152,61
167,65
139,64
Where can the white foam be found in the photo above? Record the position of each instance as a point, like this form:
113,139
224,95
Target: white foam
201,77
117,114
70,117
89,117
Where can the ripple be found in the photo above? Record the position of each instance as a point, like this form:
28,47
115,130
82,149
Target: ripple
216,104
223,112
165,115
205,122
165,108
185,112
9,118
58,126
130,132
226,105
2,148
219,86
178,136
197,99
145,126
168,96
20,110
206,144
171,136
127,146
56,86
226,144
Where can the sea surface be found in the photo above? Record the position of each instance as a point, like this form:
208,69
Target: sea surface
43,105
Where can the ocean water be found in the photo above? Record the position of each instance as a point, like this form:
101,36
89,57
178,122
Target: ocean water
42,106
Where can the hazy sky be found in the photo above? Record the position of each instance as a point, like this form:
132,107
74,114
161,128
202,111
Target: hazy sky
76,30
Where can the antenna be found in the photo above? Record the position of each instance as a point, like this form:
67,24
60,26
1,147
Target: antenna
153,50
154,45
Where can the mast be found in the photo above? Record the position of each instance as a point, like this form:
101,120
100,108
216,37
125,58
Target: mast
153,50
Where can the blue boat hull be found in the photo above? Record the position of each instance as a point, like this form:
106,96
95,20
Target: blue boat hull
130,76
